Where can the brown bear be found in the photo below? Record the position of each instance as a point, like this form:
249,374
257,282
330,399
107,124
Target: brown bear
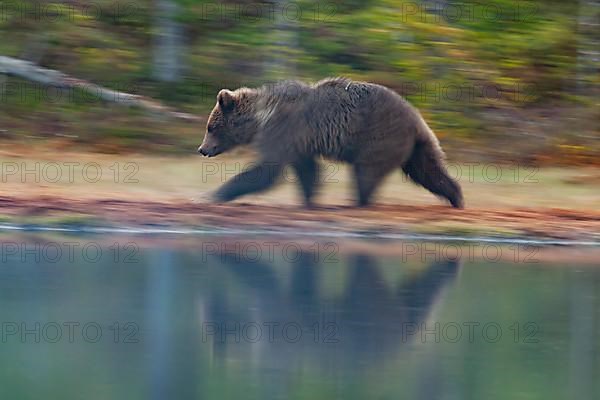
292,123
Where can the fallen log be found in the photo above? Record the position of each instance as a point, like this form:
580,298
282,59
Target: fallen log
33,72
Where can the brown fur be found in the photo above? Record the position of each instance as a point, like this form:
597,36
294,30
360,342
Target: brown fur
292,123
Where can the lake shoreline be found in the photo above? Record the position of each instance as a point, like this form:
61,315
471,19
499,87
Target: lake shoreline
550,226
142,192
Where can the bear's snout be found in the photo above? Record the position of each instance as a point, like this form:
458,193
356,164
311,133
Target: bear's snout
208,153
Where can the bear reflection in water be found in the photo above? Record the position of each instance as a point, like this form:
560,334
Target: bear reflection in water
278,318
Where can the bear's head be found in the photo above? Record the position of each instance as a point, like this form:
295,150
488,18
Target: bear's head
232,122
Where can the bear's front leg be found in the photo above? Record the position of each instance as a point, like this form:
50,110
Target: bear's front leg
256,179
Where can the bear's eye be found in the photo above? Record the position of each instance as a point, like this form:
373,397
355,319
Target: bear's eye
209,129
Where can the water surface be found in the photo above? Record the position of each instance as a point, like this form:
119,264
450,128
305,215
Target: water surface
114,317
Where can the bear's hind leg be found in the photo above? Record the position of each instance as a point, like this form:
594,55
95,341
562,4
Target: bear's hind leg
256,179
307,170
368,177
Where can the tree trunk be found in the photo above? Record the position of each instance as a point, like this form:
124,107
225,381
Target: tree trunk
168,42
282,50
588,46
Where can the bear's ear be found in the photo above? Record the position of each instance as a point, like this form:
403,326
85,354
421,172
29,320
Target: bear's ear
226,99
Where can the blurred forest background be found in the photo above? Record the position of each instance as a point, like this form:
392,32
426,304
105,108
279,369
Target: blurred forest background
502,80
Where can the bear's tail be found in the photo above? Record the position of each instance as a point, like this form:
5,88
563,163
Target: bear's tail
426,167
